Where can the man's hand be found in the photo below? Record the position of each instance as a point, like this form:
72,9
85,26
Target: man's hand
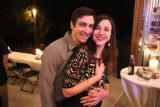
94,97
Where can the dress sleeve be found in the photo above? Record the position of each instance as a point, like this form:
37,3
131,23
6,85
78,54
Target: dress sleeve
105,77
75,68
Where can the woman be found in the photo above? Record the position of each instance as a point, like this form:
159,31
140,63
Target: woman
91,63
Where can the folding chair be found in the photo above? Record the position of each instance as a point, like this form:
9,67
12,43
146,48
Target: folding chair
16,71
31,78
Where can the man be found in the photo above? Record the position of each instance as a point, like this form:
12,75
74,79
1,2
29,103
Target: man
56,55
3,75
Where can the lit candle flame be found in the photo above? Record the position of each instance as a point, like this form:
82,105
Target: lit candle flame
39,52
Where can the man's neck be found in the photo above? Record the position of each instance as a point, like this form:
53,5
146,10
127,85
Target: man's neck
74,40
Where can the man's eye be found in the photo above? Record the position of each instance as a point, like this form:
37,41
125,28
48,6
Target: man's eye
91,26
82,24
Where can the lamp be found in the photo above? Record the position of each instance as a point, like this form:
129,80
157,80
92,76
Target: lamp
153,62
34,11
38,53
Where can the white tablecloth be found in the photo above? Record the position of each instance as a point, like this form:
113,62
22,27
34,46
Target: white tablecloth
27,58
141,92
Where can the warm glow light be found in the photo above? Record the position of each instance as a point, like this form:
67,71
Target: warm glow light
145,42
153,64
145,46
39,52
34,11
146,55
147,50
140,42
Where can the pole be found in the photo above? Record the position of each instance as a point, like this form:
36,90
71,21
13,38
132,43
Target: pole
34,11
35,31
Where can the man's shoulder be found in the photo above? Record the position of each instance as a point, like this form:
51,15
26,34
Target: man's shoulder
56,45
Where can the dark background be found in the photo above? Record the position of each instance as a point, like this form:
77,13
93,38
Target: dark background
121,11
56,14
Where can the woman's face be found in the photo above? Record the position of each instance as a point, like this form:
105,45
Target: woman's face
102,33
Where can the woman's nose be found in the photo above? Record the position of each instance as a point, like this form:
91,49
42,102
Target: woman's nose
101,31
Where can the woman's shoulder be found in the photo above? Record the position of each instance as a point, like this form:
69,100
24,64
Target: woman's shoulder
83,47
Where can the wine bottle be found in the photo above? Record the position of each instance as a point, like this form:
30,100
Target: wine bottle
131,65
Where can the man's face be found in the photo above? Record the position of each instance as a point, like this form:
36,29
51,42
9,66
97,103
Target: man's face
82,29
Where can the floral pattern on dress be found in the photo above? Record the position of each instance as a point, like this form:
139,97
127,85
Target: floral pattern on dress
81,67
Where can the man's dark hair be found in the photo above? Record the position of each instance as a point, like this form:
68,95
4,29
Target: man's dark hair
80,12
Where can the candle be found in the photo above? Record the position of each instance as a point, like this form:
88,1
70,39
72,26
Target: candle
38,53
146,56
153,64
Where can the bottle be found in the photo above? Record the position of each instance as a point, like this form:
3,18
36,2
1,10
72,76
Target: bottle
131,65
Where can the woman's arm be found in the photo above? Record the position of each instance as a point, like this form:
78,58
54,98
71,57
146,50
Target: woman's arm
83,85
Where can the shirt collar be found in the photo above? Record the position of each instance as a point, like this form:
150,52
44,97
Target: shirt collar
69,40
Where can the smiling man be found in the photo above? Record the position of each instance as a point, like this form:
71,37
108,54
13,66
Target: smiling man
56,55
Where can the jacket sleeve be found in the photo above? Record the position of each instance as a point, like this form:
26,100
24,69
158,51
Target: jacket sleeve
47,77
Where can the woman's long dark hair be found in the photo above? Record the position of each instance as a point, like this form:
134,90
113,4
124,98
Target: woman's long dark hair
109,53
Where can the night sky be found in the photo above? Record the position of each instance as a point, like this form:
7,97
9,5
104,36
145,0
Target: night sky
121,11
58,13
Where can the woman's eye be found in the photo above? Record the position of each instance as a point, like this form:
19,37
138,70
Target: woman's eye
106,29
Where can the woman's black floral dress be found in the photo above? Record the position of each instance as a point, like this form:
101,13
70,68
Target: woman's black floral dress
81,67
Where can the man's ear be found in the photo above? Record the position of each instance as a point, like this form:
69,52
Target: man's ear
71,24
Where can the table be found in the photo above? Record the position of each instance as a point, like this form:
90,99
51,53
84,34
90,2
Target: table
27,58
141,92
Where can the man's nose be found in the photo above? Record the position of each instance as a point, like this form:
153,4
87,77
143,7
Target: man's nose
88,30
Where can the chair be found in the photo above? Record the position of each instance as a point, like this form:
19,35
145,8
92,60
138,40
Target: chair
30,78
16,71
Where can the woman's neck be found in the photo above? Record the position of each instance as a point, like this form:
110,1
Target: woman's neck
99,51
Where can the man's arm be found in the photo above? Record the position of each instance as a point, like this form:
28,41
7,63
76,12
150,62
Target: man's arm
95,96
47,78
